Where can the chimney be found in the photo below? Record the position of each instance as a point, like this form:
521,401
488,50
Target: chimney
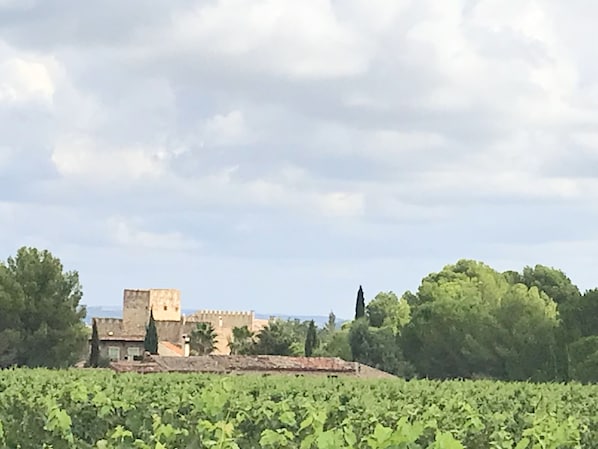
186,347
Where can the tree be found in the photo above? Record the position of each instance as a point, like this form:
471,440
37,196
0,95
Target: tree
337,345
275,339
379,348
202,340
94,355
387,310
12,306
360,304
41,319
331,324
584,359
551,281
311,340
468,321
241,341
150,342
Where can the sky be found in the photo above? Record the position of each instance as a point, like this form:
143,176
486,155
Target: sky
273,155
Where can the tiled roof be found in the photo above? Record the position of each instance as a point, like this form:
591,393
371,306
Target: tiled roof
261,363
169,349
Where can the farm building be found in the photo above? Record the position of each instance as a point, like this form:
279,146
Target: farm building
240,364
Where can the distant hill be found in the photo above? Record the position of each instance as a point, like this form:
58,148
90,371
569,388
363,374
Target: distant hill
116,312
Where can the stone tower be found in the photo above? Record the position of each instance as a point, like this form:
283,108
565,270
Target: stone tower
165,304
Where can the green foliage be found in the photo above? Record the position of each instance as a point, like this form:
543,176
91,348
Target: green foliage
386,310
360,304
331,324
94,354
241,341
150,342
40,312
277,338
202,340
336,345
311,339
583,355
379,348
87,409
551,281
468,321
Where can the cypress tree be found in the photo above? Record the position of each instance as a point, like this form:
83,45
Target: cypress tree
94,355
360,305
311,339
150,342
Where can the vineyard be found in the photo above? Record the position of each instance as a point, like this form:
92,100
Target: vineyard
99,409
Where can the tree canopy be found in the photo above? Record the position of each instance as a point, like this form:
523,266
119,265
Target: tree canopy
41,319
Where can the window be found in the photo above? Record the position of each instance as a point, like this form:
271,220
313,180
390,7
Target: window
165,308
132,352
114,353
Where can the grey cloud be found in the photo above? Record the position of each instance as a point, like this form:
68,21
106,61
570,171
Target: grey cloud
454,142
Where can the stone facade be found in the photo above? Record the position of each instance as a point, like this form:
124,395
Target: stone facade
122,337
137,304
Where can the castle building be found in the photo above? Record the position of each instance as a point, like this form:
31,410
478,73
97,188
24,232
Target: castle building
122,339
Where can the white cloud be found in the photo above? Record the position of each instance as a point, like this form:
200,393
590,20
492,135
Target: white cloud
25,78
225,129
82,158
299,39
125,233
383,128
340,204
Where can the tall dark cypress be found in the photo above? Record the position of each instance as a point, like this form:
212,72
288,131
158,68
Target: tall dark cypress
311,339
150,342
360,305
94,355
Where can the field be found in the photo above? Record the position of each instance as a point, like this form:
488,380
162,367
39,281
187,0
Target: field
84,409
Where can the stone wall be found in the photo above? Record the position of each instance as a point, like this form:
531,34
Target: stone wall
135,311
223,323
125,349
165,304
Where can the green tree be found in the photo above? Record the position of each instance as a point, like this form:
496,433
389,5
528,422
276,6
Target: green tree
241,341
551,281
41,319
527,323
150,342
311,339
276,338
584,359
360,304
379,348
12,307
331,324
387,310
202,340
94,354
468,321
336,345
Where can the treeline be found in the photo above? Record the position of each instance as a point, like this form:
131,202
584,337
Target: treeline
466,321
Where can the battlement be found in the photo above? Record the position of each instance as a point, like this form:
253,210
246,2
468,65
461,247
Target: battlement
222,313
107,321
222,318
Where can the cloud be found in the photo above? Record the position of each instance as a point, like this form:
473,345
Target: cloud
225,129
130,235
83,159
218,133
302,40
